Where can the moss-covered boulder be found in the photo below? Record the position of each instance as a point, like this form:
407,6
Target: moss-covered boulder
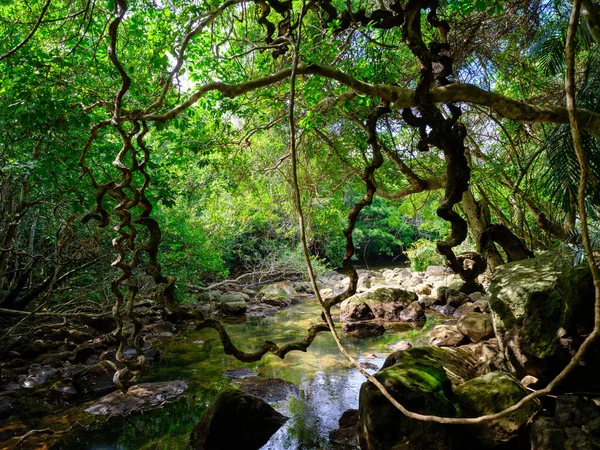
383,303
542,309
236,420
490,394
420,383
277,294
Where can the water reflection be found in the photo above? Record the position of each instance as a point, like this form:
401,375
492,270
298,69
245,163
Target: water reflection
328,384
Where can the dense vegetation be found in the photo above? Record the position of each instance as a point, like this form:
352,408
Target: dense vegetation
149,143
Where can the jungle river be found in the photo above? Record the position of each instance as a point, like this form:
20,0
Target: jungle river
328,384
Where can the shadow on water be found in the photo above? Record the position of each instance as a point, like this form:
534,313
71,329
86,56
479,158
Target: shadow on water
328,384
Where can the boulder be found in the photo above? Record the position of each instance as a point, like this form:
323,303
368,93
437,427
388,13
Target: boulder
446,310
278,294
137,398
413,313
364,283
547,434
476,326
542,309
269,389
420,383
451,297
6,407
382,303
422,289
233,304
490,394
236,420
446,336
363,329
345,435
399,346
438,271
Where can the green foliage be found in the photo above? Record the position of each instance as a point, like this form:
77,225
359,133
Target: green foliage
422,254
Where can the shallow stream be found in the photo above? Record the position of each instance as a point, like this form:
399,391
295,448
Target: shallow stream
328,384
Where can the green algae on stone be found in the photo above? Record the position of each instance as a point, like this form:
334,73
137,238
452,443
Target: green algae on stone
489,394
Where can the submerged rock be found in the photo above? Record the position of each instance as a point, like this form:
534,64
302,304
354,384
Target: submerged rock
137,398
236,420
269,389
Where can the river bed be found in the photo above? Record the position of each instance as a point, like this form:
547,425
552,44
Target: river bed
328,384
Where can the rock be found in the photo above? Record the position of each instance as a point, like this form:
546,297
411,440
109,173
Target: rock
577,439
541,310
452,297
399,346
546,434
277,294
364,283
476,326
28,350
94,381
269,389
137,398
575,411
104,324
446,336
382,303
84,352
234,308
345,435
438,271
64,392
211,296
38,376
240,372
422,289
413,282
413,313
6,407
490,394
427,301
446,310
236,420
363,329
260,309
420,383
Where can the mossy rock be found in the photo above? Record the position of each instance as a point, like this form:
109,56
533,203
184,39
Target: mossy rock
540,308
420,383
490,394
381,303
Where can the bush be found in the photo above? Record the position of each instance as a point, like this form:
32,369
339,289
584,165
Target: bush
422,254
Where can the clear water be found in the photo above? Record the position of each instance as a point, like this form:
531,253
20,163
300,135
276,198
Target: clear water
328,384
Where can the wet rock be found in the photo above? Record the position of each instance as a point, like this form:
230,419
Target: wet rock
233,304
382,303
446,336
210,296
577,439
452,297
413,313
490,394
38,376
427,301
364,283
137,398
260,309
236,420
420,383
94,381
83,353
345,435
476,326
269,389
363,329
61,391
240,372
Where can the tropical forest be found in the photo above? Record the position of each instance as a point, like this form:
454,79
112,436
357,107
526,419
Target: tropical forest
300,224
